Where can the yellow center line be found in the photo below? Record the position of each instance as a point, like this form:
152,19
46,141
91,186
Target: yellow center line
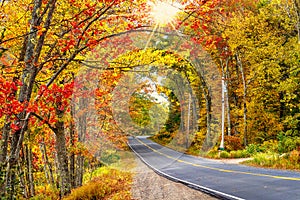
219,169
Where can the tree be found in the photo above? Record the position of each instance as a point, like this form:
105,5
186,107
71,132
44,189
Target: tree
261,41
46,48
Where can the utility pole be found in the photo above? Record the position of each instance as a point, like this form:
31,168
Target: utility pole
188,122
223,114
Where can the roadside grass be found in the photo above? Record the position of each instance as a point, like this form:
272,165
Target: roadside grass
282,154
288,161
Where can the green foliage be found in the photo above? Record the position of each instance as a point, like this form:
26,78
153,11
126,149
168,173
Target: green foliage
139,109
110,184
269,146
287,143
167,133
263,3
214,153
224,154
253,149
239,154
266,160
109,157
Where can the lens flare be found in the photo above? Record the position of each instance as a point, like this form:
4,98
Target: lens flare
164,12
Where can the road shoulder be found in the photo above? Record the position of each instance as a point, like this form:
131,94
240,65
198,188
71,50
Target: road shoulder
148,185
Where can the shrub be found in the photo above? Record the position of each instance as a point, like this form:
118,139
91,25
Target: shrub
239,154
294,157
224,154
270,145
109,157
212,154
46,192
253,149
232,143
287,143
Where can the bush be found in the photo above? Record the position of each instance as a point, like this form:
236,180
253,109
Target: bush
45,192
239,154
269,146
287,143
212,154
232,143
253,149
294,157
109,157
224,154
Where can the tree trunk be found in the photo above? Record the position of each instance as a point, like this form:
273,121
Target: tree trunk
3,155
28,154
47,176
62,155
82,119
80,170
297,9
4,141
47,164
72,156
207,95
33,50
22,179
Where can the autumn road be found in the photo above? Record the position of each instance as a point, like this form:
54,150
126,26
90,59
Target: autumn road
225,181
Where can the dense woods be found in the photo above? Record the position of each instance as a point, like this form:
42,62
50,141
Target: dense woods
62,69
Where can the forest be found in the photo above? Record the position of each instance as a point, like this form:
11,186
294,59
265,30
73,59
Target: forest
78,77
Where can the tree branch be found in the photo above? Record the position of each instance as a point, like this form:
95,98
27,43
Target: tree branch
43,120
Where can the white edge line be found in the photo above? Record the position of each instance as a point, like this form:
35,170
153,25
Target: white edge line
204,189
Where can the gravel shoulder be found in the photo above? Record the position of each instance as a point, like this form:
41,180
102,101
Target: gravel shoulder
148,185
233,161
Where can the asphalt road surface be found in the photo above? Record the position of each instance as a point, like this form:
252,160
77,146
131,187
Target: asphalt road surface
225,181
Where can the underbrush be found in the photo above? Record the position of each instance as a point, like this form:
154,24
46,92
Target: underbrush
46,192
108,184
102,183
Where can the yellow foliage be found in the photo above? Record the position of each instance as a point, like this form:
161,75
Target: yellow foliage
110,184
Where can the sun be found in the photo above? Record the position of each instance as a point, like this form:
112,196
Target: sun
164,12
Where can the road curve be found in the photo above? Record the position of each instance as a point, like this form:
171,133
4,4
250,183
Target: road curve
225,181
